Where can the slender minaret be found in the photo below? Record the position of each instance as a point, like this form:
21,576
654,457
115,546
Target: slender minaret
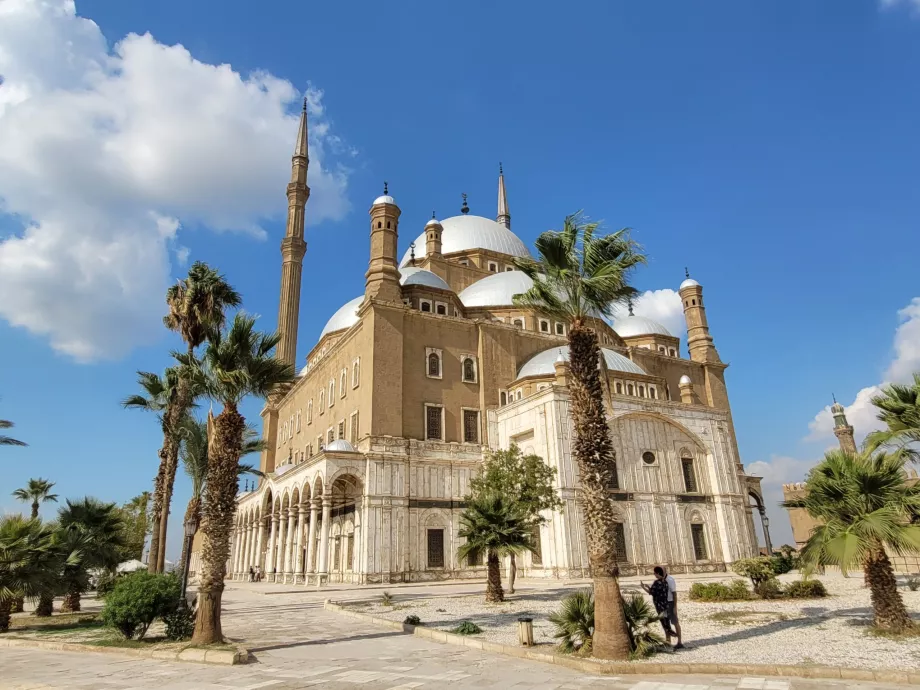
699,342
382,277
504,215
842,429
293,246
433,230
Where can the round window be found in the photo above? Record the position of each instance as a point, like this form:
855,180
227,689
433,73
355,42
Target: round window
648,457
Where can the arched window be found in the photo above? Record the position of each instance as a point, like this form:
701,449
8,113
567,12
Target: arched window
355,373
619,388
469,370
434,364
310,411
519,323
672,352
641,391
322,401
343,382
442,309
425,306
686,463
652,393
332,393
544,326
629,389
503,398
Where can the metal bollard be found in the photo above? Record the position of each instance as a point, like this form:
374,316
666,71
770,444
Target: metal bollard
525,631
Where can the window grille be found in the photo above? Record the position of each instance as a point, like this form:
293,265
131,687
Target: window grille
433,423
471,426
699,542
436,548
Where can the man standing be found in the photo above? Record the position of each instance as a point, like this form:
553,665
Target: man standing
664,597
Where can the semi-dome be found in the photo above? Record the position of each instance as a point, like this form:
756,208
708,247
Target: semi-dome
496,290
631,326
419,276
345,317
340,445
544,363
461,233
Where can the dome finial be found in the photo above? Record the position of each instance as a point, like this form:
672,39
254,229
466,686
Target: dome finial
385,190
304,104
630,304
834,398
500,172
686,272
412,253
433,216
465,208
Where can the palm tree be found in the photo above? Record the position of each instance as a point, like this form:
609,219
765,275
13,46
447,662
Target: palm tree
37,491
160,395
26,553
864,505
194,455
575,623
496,525
98,529
899,408
7,440
197,308
235,364
577,277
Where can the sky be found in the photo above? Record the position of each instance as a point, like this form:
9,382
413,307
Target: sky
770,148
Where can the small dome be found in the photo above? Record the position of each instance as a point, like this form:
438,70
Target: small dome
385,199
471,232
340,445
433,221
837,408
544,363
419,276
689,282
345,317
685,381
631,326
496,290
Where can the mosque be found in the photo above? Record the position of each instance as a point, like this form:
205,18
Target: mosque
411,383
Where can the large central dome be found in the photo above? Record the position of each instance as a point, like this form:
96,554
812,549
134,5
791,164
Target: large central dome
461,233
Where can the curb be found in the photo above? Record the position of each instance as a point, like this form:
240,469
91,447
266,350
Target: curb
628,668
223,657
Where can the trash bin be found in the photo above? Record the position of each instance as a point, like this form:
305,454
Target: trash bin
525,631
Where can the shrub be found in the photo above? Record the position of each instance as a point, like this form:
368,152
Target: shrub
769,589
575,623
717,591
386,599
757,569
139,599
180,623
806,589
412,620
467,628
913,583
643,641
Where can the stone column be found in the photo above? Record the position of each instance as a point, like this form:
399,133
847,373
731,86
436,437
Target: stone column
298,544
245,558
289,543
235,552
311,538
270,560
256,554
278,561
324,539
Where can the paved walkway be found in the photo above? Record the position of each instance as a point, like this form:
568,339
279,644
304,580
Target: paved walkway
299,645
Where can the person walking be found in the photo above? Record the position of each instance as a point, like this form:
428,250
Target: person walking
664,596
252,574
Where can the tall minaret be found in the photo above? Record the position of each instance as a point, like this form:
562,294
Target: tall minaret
293,246
842,429
699,342
504,215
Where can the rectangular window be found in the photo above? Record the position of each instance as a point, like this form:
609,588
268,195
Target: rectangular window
341,429
699,542
689,475
536,556
330,436
619,541
471,426
433,425
355,373
544,326
436,548
354,427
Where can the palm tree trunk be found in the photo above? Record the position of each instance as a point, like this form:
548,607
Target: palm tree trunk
175,417
890,613
494,591
153,554
593,451
193,510
71,603
512,574
34,509
217,523
4,615
45,605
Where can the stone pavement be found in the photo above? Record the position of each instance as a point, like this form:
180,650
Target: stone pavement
299,645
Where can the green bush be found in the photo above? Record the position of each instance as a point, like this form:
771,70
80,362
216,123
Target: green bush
180,623
769,589
758,569
139,599
642,624
782,564
913,583
467,628
412,620
717,591
806,589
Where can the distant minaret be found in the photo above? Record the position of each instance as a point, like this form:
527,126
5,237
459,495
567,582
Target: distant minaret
293,246
504,215
842,429
699,342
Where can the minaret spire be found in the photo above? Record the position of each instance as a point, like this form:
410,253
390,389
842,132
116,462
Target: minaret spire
293,246
504,215
842,428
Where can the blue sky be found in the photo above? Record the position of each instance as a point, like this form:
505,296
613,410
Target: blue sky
770,147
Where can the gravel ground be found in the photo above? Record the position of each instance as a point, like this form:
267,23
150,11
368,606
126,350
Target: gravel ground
829,632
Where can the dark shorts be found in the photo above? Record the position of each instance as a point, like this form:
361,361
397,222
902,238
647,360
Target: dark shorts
672,612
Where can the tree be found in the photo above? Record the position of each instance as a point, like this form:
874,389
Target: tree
899,409
8,440
863,504
194,454
135,515
37,491
577,277
197,309
496,525
26,556
97,532
235,364
526,478
160,396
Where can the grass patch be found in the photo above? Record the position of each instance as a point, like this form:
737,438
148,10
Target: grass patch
909,634
55,623
64,629
467,628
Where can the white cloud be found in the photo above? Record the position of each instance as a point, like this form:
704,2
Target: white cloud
106,155
888,4
663,306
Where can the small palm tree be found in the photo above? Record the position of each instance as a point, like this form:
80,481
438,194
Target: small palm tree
7,440
574,623
577,278
98,534
497,526
864,505
235,365
37,491
640,619
26,556
899,409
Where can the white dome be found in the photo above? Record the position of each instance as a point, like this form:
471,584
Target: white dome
630,326
433,221
340,445
685,380
496,290
385,199
345,317
419,276
471,232
543,364
689,282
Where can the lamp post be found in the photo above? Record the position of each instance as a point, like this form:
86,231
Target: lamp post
191,526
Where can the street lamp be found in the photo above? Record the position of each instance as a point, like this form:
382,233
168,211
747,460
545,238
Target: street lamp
191,526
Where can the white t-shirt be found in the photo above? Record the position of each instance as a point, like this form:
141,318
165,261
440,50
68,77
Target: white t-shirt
672,587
